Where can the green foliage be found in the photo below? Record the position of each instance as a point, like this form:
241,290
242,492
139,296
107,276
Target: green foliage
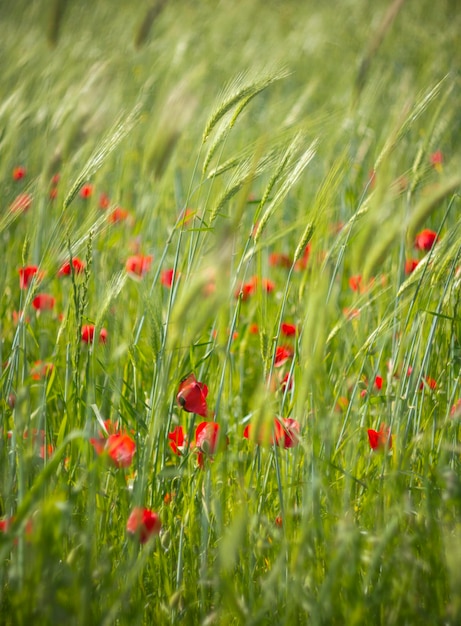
264,169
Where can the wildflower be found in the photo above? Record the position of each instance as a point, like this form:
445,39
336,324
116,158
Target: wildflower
278,521
288,329
26,275
87,334
282,354
301,264
455,411
53,193
56,178
121,449
410,266
19,172
43,302
66,268
437,160
425,239
206,441
379,382
291,431
138,265
283,433
86,191
277,259
430,382
120,215
192,395
104,201
143,524
253,329
177,440
166,277
287,382
249,288
21,203
41,370
381,439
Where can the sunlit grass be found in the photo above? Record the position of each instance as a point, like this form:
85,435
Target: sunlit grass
240,188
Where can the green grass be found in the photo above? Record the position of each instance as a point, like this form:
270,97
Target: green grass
265,120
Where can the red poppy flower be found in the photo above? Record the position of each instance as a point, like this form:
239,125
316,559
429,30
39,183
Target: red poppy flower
301,264
120,215
249,288
43,302
86,191
55,179
26,275
21,203
88,334
121,449
177,440
192,396
355,283
288,329
104,201
139,264
206,437
380,439
41,370
66,268
410,266
379,382
53,193
279,521
277,259
437,160
19,172
267,433
287,381
455,410
291,431
143,524
425,240
282,354
253,329
430,382
166,277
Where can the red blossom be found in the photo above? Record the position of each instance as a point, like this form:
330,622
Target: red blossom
288,329
143,524
21,203
104,201
282,354
278,259
120,215
284,433
410,266
207,437
287,382
41,370
379,382
436,159
66,268
53,193
19,172
430,382
26,275
250,287
455,411
380,439
425,239
56,178
88,334
121,449
166,277
301,264
253,329
138,264
43,302
86,191
192,395
177,440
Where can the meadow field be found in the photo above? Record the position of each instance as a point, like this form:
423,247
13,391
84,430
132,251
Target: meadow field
230,315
